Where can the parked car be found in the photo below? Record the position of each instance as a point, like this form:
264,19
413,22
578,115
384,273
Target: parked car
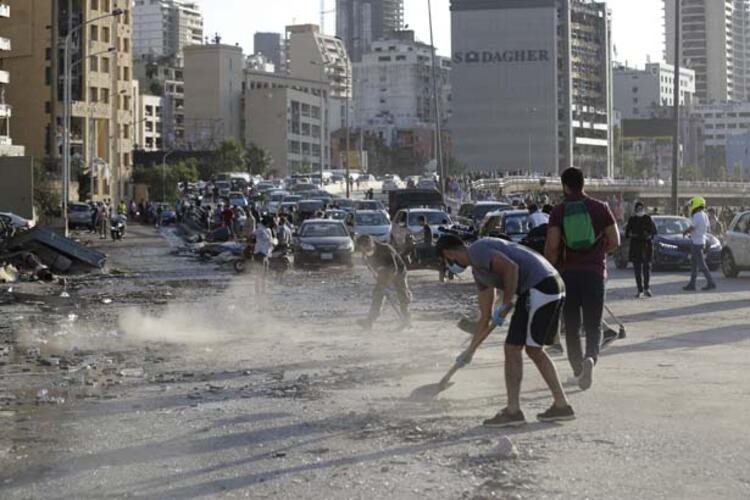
390,185
671,249
511,223
237,199
336,214
406,222
274,200
79,215
474,212
301,187
735,256
307,209
223,188
344,204
373,223
17,222
322,241
427,184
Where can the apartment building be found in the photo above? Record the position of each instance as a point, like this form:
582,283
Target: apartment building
316,56
163,28
7,148
639,93
359,23
148,125
273,48
102,91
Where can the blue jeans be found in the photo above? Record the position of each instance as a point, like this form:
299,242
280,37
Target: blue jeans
698,260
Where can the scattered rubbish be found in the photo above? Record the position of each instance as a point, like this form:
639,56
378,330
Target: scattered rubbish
8,274
43,397
106,301
7,413
132,372
49,246
279,454
64,294
505,448
72,317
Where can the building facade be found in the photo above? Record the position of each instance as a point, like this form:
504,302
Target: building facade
315,56
359,23
213,95
531,85
714,43
286,117
638,93
102,91
162,77
7,148
393,88
148,124
163,28
273,48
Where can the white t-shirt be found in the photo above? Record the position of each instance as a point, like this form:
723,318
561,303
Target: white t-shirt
700,228
537,219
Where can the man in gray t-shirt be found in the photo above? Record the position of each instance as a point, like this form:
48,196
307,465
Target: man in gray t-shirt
522,273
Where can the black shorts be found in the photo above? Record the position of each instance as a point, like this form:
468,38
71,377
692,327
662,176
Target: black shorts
536,318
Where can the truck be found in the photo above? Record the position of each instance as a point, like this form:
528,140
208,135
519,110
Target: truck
399,199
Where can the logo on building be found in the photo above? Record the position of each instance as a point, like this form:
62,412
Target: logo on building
506,56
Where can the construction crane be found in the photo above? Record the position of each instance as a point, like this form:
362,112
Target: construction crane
323,13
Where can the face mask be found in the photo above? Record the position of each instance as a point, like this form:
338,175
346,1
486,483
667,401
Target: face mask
639,212
455,268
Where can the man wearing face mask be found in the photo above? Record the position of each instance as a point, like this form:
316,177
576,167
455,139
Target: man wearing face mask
641,231
522,273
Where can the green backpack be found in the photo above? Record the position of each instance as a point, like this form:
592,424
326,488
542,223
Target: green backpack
578,229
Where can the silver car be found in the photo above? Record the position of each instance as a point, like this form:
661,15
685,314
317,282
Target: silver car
79,215
373,223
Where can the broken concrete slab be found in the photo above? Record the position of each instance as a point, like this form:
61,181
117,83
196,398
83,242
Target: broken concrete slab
40,238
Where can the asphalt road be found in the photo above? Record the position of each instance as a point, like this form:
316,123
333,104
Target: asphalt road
195,388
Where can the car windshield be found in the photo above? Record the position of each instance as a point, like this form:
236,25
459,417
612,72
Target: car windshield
323,230
310,206
433,218
80,208
367,205
481,210
516,224
344,203
671,225
278,196
371,219
291,199
336,215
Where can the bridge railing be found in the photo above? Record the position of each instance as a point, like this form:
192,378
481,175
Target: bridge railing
553,183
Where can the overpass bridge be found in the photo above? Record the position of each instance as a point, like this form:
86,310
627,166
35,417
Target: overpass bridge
656,193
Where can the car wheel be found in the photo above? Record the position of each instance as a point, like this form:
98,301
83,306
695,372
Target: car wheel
728,266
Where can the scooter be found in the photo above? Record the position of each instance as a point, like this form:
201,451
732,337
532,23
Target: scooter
117,227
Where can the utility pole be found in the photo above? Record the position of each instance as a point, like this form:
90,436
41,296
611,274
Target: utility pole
676,103
348,146
438,127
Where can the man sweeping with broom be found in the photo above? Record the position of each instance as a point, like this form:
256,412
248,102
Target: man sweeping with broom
522,273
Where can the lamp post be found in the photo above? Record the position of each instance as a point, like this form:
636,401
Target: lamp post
164,175
438,126
67,104
531,112
676,103
323,120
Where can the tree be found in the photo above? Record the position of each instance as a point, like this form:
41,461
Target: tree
691,173
47,199
258,160
162,182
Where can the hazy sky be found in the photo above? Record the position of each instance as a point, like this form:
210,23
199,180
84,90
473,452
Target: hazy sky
637,24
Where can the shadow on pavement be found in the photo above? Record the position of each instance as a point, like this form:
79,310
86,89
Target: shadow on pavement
696,339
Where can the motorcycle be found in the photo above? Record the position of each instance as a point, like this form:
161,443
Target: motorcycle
117,227
280,260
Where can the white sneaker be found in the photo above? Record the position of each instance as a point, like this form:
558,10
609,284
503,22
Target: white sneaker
587,375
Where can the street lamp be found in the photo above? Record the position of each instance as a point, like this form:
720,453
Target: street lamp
438,127
164,175
323,121
531,112
67,105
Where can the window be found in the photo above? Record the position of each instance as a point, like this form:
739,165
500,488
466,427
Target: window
126,131
305,148
48,107
294,147
126,45
105,96
48,54
125,73
105,64
315,112
105,34
315,131
305,109
93,94
94,63
94,33
401,58
126,102
126,159
306,129
94,4
384,58
48,75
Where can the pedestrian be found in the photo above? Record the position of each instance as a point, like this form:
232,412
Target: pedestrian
715,226
390,272
641,231
580,234
536,216
697,232
284,233
227,219
426,249
535,292
264,245
101,220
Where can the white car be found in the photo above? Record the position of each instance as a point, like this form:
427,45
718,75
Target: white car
16,221
390,185
406,221
373,223
735,256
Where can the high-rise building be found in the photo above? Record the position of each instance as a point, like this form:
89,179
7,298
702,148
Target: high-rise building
315,56
361,22
531,85
148,128
394,91
102,90
713,43
640,93
7,148
273,48
163,28
213,95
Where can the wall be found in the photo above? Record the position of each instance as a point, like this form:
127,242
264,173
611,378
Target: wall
17,187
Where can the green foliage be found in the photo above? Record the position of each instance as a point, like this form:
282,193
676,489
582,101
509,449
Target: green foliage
229,157
691,173
258,160
47,199
162,182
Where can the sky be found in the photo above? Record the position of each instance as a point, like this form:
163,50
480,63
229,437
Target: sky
636,24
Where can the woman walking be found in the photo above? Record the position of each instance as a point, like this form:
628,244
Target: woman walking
641,230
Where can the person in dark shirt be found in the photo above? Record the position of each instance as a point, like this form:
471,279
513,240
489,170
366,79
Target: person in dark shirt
641,230
584,272
390,271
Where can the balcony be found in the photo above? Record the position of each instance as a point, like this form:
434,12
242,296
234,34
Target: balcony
4,44
5,111
4,77
4,10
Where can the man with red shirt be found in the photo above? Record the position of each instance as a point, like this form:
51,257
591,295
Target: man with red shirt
227,216
583,269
